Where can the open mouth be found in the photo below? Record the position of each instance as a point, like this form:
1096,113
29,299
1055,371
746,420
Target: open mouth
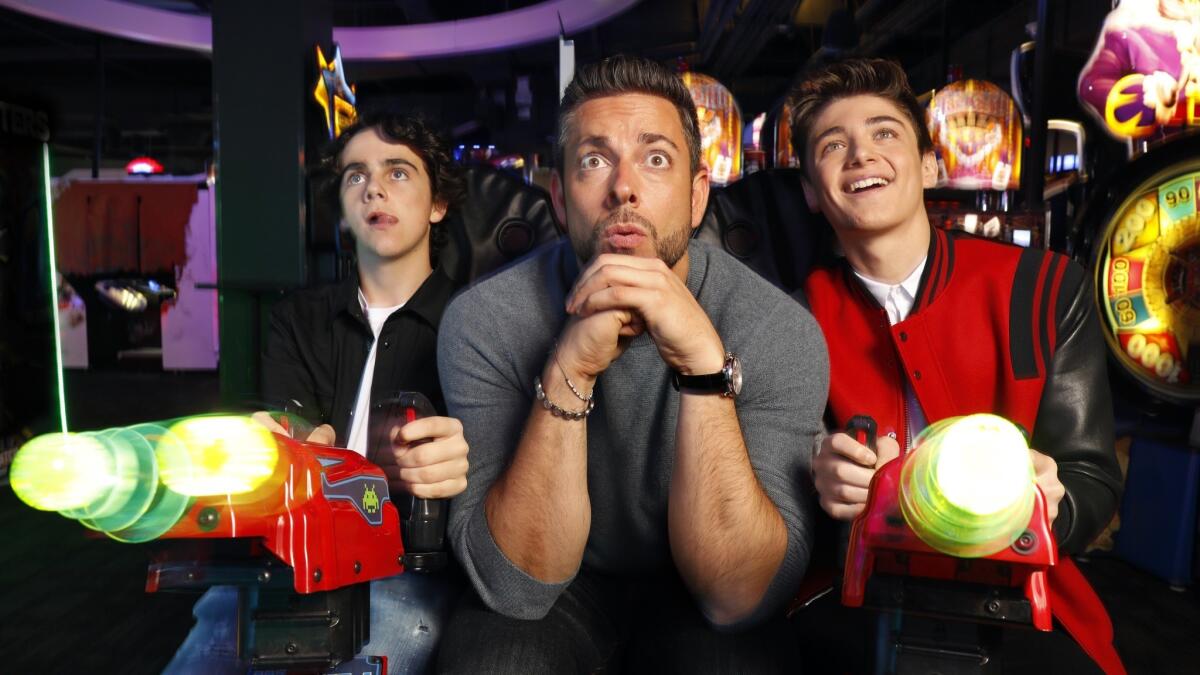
380,219
624,236
867,184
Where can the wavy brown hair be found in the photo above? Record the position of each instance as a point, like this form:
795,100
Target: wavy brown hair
445,177
852,77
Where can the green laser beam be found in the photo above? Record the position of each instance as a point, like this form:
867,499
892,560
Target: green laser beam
58,351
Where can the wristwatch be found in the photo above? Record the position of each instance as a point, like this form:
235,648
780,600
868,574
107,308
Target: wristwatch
727,382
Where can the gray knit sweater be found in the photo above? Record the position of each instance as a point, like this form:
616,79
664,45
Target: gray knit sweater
495,338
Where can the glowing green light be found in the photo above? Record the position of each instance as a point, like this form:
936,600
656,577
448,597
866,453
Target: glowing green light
967,488
205,456
984,465
53,264
56,472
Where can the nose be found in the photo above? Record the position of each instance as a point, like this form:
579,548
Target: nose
624,187
861,152
374,189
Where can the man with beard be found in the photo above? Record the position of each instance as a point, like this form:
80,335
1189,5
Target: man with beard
638,405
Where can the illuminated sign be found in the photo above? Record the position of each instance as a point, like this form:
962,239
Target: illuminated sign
20,121
976,131
785,155
1148,284
1144,74
335,95
143,166
720,127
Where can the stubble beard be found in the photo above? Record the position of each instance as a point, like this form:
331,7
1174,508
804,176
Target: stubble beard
668,249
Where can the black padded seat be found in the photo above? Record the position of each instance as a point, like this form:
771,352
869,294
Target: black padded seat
501,219
764,221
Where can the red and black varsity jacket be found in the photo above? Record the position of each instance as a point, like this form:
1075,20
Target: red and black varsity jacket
994,328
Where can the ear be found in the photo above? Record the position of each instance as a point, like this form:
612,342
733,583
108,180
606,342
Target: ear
438,211
558,197
701,186
810,194
929,170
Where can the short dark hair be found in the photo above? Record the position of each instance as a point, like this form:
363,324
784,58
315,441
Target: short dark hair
445,177
852,77
624,74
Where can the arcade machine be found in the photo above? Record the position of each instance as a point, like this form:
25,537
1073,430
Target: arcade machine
720,127
136,252
977,135
783,155
754,156
1141,239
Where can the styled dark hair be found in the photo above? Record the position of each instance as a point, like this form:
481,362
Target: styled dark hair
852,77
445,177
623,74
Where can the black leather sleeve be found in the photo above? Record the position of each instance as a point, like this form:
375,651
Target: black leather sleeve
1075,418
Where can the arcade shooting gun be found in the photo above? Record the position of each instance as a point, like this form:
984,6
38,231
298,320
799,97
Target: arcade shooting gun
956,530
322,511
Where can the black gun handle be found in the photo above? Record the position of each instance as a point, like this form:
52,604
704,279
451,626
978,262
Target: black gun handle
422,521
423,529
862,428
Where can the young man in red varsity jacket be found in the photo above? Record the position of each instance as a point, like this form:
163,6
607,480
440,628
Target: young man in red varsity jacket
924,324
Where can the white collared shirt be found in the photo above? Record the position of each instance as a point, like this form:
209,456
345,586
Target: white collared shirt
898,300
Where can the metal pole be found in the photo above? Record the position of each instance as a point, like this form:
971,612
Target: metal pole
1033,172
98,140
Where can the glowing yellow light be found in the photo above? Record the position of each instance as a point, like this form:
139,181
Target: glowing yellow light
54,472
335,95
967,489
204,456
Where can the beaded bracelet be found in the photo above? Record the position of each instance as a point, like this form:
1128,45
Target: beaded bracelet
586,399
559,411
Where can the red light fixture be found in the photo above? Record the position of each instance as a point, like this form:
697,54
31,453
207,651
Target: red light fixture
143,166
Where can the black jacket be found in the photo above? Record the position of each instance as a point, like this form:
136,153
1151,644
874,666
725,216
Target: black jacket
319,339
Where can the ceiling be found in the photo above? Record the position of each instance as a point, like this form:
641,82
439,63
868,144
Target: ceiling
122,99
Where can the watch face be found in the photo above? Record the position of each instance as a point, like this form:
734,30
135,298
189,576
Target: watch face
734,377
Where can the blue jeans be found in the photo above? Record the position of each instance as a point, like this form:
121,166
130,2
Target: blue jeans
408,615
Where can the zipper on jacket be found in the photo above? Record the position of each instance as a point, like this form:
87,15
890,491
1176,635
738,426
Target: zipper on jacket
907,418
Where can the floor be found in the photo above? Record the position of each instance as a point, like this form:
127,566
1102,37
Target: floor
71,602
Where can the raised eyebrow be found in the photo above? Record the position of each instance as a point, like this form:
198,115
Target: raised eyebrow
884,119
647,138
353,166
831,131
400,161
601,142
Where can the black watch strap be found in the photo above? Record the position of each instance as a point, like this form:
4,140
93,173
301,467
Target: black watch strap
714,382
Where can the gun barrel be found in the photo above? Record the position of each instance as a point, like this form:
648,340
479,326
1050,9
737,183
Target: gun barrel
967,488
135,483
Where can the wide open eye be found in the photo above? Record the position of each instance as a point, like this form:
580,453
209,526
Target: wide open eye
658,160
592,161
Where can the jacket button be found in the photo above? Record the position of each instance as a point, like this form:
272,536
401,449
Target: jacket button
387,343
916,374
903,336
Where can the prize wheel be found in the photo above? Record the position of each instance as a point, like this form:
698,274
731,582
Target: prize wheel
1146,261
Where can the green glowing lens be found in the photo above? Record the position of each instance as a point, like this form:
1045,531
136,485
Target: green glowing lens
219,455
55,472
967,488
